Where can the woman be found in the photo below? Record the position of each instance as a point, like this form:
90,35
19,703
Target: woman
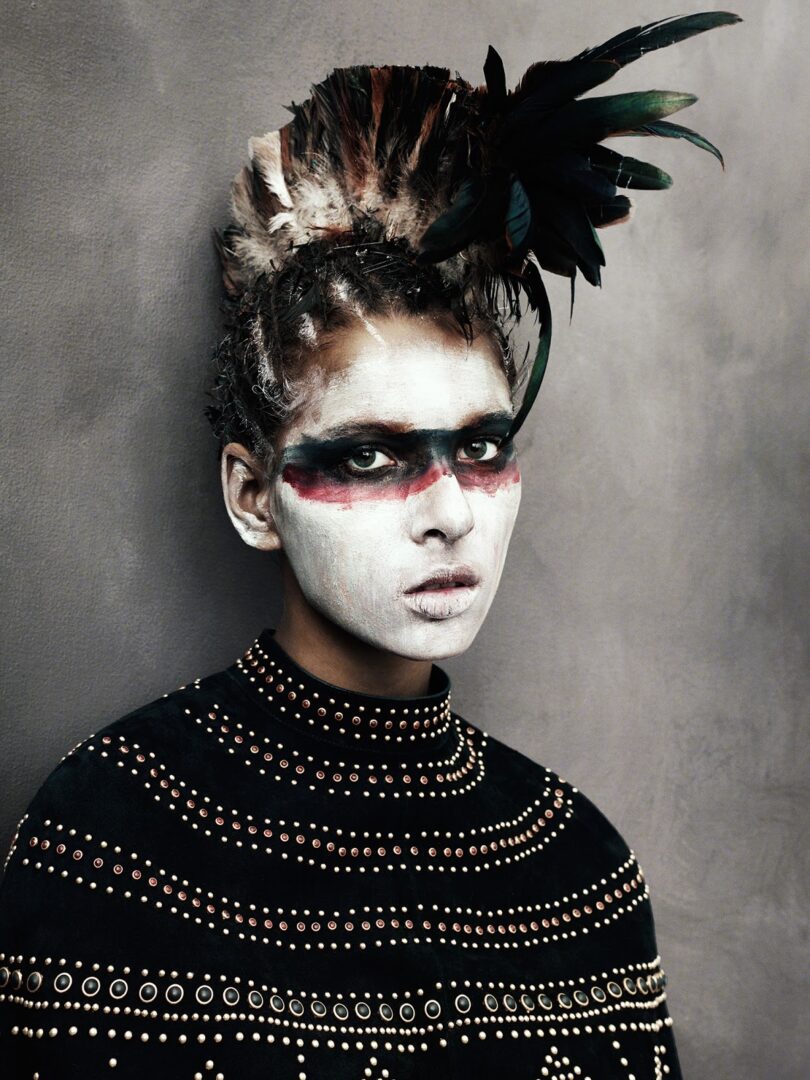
308,865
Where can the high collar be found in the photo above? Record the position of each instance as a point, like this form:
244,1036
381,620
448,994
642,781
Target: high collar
302,700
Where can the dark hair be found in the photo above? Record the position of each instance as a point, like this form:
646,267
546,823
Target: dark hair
277,324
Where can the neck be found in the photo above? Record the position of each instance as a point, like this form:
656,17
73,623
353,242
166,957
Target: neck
338,657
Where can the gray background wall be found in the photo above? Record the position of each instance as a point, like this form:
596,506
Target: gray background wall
650,637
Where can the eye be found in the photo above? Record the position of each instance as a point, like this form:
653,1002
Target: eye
480,450
367,459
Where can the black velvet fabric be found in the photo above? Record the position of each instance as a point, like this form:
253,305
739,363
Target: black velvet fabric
263,876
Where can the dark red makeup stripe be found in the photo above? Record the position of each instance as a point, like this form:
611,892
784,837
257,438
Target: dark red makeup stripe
319,487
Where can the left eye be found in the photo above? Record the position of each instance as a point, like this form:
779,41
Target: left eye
368,459
480,450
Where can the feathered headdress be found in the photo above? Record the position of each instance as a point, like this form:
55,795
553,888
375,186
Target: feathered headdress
484,182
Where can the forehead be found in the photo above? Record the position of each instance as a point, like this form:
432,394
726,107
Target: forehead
407,371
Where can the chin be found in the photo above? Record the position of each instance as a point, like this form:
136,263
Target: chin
434,639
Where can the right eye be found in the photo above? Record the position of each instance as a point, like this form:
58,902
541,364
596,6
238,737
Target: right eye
367,459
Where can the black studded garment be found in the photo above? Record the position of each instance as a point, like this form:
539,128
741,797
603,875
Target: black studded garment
260,875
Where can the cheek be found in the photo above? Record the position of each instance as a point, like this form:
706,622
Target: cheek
328,543
495,512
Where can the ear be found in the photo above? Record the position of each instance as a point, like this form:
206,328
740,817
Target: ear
246,488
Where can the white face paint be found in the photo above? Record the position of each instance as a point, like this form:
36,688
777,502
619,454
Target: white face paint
395,472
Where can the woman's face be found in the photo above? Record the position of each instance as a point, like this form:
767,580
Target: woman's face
395,473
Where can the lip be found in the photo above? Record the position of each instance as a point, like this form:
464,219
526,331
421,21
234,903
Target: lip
448,578
445,594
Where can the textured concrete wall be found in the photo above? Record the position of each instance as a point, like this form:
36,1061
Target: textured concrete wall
650,637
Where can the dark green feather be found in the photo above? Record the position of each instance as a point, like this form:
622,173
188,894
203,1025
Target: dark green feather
458,226
541,305
518,215
581,122
668,130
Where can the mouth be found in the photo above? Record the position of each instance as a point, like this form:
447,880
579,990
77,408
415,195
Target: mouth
445,594
460,577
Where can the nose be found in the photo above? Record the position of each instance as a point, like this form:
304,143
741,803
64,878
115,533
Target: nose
441,509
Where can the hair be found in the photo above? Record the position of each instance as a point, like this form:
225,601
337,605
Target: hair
276,327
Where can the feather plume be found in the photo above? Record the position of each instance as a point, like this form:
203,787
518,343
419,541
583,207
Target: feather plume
489,184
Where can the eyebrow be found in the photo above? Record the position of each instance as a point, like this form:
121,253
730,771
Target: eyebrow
376,427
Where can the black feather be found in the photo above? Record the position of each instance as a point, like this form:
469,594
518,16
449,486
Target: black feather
610,213
553,252
630,45
627,171
496,80
551,83
569,171
568,218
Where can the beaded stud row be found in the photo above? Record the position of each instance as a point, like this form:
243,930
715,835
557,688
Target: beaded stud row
135,877
430,779
637,986
343,850
388,724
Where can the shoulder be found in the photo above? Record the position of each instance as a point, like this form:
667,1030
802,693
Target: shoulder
102,824
553,843
85,784
565,807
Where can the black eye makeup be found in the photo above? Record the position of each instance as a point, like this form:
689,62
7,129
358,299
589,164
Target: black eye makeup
407,452
380,453
370,459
